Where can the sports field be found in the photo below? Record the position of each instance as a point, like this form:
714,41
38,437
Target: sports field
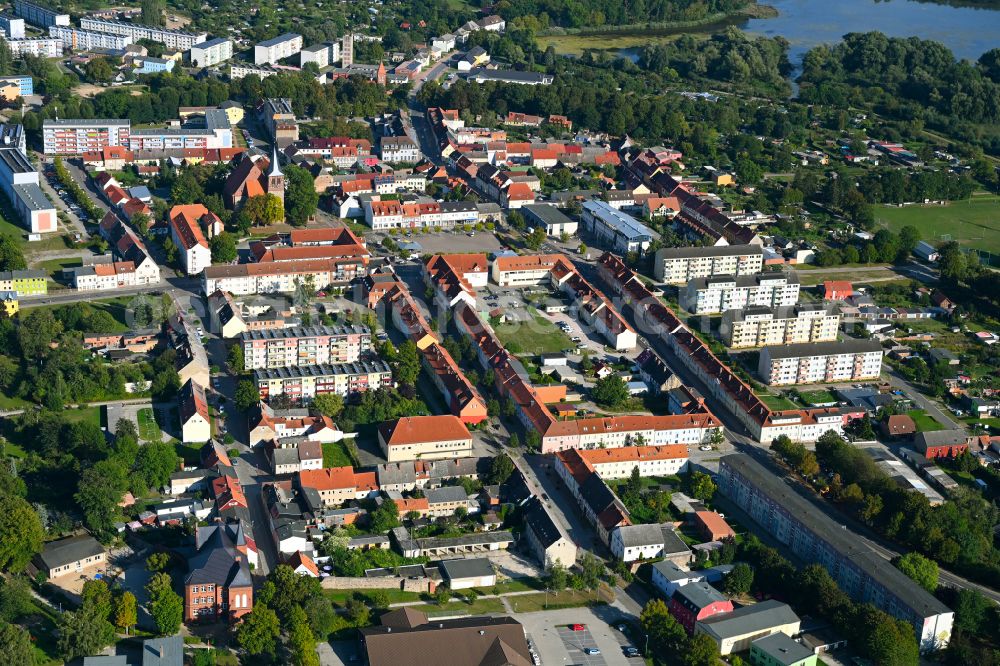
972,223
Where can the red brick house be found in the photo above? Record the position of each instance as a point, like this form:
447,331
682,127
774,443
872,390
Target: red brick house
697,601
837,290
712,526
941,443
219,585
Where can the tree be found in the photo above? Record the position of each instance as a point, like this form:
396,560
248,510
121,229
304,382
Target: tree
357,612
247,395
99,491
739,580
15,644
328,404
919,568
11,256
322,617
702,486
264,209
301,197
83,633
96,596
591,570
165,606
385,517
15,598
500,469
442,595
157,562
558,577
99,70
701,651
379,599
21,533
235,358
154,464
972,611
666,635
258,632
301,640
535,239
223,248
610,391
408,363
126,611
152,11
36,332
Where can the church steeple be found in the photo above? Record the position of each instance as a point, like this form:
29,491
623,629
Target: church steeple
274,178
274,169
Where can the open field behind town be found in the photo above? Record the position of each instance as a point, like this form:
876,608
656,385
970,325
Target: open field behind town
972,223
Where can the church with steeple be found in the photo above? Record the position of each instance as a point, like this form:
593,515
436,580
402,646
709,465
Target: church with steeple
254,177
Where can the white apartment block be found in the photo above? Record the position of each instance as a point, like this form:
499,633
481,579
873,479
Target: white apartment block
651,460
19,181
211,52
240,69
678,265
174,39
765,326
380,215
399,149
74,137
268,278
13,28
321,54
271,51
730,292
313,345
44,48
848,361
38,15
74,39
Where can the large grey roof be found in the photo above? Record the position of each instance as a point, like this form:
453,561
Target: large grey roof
69,550
167,651
641,535
854,346
217,561
538,520
467,568
446,494
782,649
699,594
749,619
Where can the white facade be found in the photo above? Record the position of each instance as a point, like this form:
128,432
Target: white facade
399,149
318,53
45,48
823,362
721,294
679,265
175,39
73,137
13,28
38,15
211,52
760,327
239,70
272,50
84,40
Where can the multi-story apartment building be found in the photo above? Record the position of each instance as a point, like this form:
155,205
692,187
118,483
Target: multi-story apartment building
279,119
425,438
847,361
615,230
651,460
333,485
25,86
186,232
174,39
38,15
399,149
272,50
522,271
74,39
760,326
13,28
43,48
678,265
612,432
380,215
731,292
323,54
811,535
19,181
211,52
238,70
281,277
303,383
210,130
25,283
314,345
74,137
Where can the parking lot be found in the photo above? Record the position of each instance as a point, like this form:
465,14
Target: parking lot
456,241
556,643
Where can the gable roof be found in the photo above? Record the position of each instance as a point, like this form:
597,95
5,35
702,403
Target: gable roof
72,549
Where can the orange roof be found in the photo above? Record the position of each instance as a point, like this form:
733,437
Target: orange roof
331,478
520,192
634,454
334,235
278,254
416,504
714,523
184,220
528,262
419,429
299,558
365,481
114,268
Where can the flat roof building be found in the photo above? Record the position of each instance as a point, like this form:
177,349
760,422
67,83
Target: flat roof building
615,230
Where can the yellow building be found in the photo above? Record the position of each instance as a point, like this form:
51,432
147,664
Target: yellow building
8,299
724,180
9,91
234,110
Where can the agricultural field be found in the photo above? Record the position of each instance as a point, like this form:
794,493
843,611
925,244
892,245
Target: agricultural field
972,223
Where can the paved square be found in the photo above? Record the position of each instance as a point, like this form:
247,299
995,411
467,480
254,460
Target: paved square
578,641
558,645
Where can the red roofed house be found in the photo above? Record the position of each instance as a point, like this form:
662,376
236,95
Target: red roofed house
250,179
195,421
694,602
185,230
712,526
425,437
837,290
335,485
303,565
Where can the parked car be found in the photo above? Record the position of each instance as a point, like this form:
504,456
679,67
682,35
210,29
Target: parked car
591,651
577,627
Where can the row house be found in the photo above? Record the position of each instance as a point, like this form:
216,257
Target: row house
126,246
337,485
303,383
267,424
393,214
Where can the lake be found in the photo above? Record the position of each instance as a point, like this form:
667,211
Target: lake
967,31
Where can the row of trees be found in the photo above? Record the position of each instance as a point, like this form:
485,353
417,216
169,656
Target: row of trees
884,247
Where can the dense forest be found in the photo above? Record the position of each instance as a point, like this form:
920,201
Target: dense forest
909,79
595,13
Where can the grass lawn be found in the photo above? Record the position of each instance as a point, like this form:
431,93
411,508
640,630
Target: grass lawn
149,429
478,607
539,336
335,455
116,307
992,422
777,402
818,397
923,421
86,414
12,402
53,266
972,223
530,603
191,453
